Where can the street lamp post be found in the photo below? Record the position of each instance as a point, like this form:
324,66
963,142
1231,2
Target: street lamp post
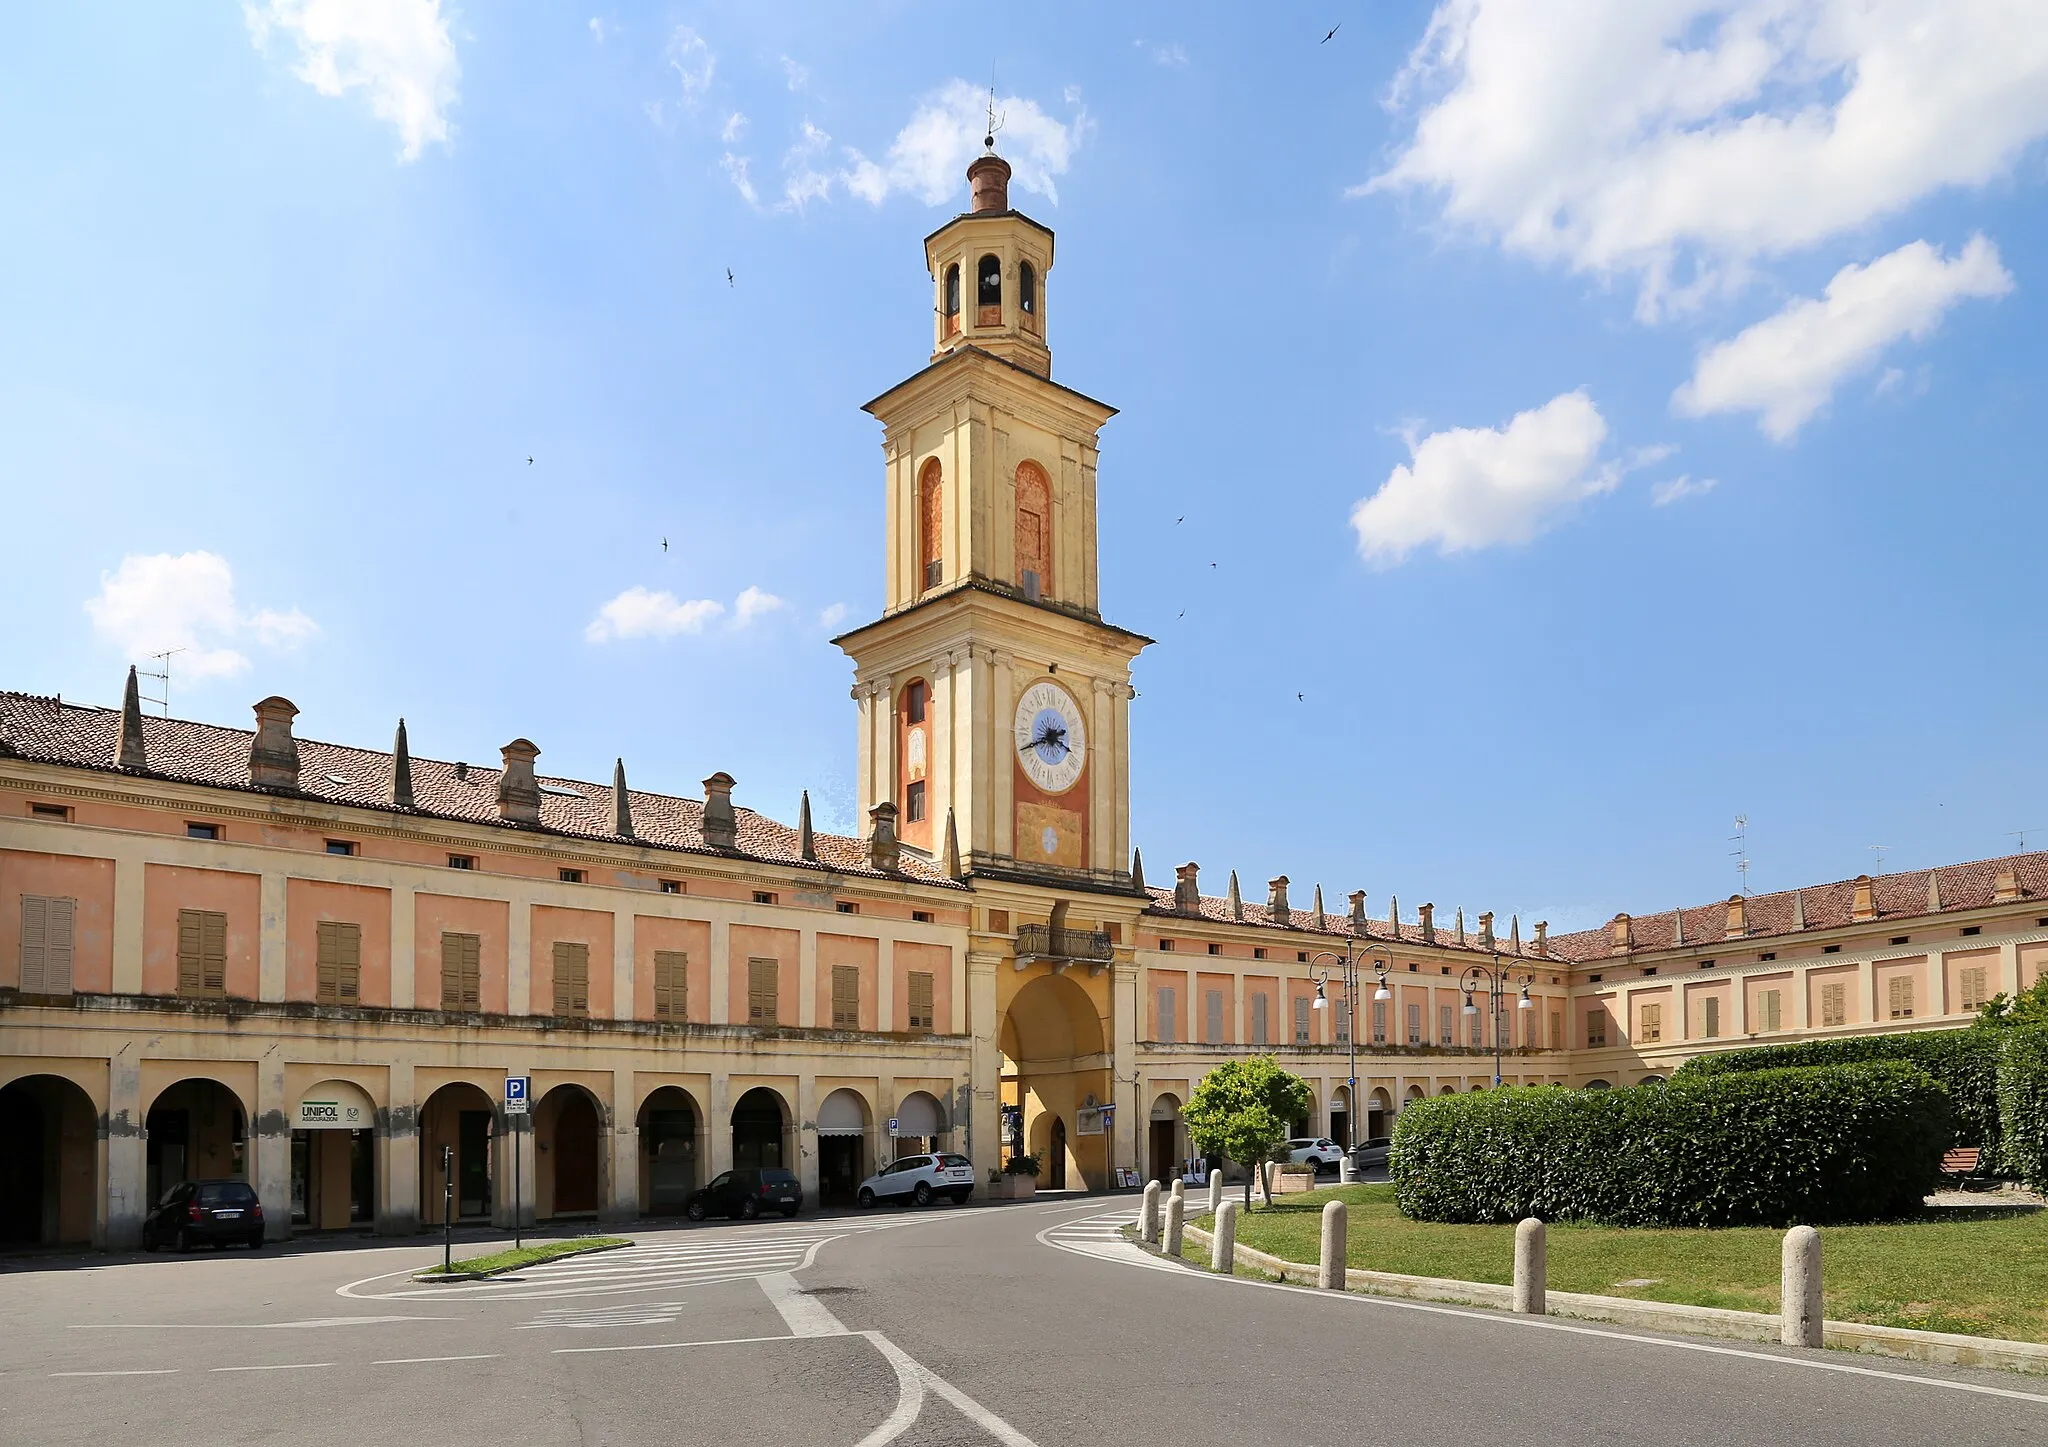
1496,980
1348,963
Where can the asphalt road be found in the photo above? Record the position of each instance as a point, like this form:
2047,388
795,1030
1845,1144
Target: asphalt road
1018,1324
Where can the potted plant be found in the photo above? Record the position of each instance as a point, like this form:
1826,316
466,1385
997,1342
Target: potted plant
1019,1180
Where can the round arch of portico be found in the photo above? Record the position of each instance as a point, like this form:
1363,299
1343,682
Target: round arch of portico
547,1141
87,1076
376,1084
179,1071
697,1098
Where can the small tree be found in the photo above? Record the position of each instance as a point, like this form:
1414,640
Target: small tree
2028,1007
1242,1109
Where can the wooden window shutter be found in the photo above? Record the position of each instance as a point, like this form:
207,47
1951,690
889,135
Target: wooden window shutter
921,1000
58,947
572,979
327,983
1973,987
190,947
340,963
1769,1000
1165,1016
35,946
1900,989
1212,1017
762,982
202,953
846,997
461,975
1301,1018
672,985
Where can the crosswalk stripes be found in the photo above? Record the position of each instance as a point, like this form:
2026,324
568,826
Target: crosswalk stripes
1103,1238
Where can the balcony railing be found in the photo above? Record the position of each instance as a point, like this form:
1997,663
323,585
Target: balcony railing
1044,942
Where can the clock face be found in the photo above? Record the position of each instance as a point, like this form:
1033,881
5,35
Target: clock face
1052,742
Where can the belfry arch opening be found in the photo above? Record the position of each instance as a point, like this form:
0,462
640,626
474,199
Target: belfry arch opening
988,292
1055,1078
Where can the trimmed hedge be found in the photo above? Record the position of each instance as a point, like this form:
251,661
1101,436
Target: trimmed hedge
1758,1148
2023,1105
1965,1062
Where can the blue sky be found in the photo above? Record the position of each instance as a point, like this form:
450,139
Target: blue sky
1607,424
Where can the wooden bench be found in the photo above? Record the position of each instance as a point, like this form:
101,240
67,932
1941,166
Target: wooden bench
1959,1164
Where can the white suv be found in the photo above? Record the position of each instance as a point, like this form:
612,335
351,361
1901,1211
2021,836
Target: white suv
921,1178
1318,1151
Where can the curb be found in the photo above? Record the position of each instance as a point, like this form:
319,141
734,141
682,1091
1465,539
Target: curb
1945,1348
448,1278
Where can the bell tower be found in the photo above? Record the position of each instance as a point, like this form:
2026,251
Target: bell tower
990,688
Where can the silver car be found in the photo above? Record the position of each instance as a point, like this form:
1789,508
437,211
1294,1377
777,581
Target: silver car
920,1178
1319,1151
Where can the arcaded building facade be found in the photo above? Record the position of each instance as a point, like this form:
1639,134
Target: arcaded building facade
240,951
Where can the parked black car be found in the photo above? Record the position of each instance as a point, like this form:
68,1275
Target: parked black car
205,1212
746,1193
1372,1152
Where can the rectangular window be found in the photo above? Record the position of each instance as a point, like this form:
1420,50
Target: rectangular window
202,831
1166,1003
1302,1007
461,972
1652,1024
1972,981
462,861
1711,1025
913,802
671,886
1215,949
1343,1022
1258,952
1446,1026
1973,929
46,934
49,811
571,876
1414,1024
762,896
1899,992
846,997
1768,1003
339,971
763,982
913,702
202,953
1596,1028
920,916
1258,1019
341,846
572,980
847,906
922,1017
1166,945
1212,1017
672,986
1834,1004
1478,1029
1379,1022
1557,1030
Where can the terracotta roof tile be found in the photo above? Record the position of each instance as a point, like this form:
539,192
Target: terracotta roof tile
48,730
1336,923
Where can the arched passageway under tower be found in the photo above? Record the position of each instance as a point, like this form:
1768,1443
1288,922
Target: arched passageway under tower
1056,1077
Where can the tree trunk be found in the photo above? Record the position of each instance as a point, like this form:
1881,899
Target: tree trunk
1266,1182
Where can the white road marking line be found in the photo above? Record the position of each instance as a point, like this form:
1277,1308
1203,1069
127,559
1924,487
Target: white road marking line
249,1325
909,1393
422,1361
137,1372
274,1367
663,1346
805,1314
1547,1324
988,1421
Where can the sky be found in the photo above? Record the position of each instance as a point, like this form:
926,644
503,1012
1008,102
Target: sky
1549,430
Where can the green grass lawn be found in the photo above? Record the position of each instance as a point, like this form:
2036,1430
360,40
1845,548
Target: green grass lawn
532,1255
1982,1271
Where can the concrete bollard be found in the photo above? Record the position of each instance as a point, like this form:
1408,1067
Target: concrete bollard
1176,1212
1223,1247
1345,1175
1180,1189
1215,1193
1532,1267
1799,1288
1330,1269
1148,1215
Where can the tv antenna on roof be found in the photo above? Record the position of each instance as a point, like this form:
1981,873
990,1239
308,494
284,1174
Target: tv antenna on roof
162,674
1740,839
995,119
1878,850
2021,835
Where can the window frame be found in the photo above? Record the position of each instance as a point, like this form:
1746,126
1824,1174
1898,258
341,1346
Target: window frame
337,963
672,986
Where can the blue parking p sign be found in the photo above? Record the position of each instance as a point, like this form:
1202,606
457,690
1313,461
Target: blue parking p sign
516,1094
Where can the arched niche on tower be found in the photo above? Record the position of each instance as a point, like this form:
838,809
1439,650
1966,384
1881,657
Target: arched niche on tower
1034,544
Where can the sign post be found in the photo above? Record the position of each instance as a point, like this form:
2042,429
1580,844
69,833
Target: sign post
447,1209
518,1090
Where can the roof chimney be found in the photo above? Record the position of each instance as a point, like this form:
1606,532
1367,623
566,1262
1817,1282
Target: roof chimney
1678,926
1428,915
401,769
274,753
1541,944
721,827
1187,889
1486,930
883,852
1624,934
1738,918
1865,906
130,755
1358,925
1276,901
988,182
2007,888
1798,909
518,790
1934,891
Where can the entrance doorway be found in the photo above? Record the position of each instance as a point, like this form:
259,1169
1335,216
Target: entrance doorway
668,1151
1340,1116
920,1124
567,1150
759,1129
1056,1167
196,1133
1379,1115
1052,1038
334,1179
48,1162
842,1142
460,1116
1164,1154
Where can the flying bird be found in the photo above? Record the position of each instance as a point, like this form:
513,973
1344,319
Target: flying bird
1301,698
728,276
664,545
1178,521
1333,31
529,462
1212,565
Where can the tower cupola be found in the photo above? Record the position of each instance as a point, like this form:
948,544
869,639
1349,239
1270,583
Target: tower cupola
988,268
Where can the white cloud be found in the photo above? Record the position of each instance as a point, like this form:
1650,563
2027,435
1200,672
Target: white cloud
397,51
159,601
802,181
796,75
735,128
642,613
1475,487
597,29
692,61
753,603
929,156
832,615
1785,367
735,168
1171,54
1678,140
1678,488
